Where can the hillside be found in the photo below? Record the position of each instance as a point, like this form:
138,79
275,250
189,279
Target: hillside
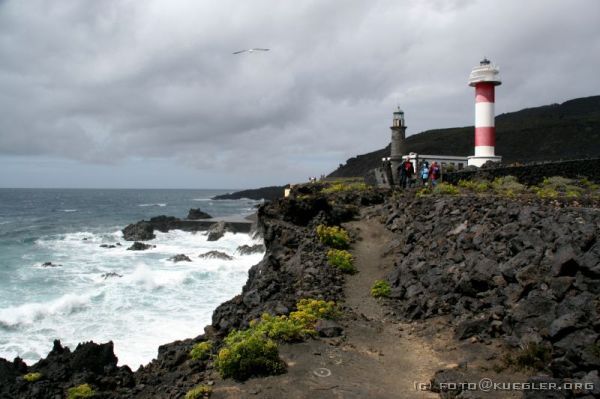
570,130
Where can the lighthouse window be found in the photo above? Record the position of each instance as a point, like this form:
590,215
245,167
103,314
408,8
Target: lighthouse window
461,165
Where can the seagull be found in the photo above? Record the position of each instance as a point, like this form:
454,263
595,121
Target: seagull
251,50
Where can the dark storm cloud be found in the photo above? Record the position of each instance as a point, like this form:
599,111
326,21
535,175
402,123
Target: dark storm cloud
107,81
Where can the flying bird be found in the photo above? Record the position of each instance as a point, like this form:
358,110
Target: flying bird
251,50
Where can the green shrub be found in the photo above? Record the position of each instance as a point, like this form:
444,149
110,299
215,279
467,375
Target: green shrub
546,192
533,356
478,186
507,186
557,182
253,352
248,353
310,310
341,259
199,391
587,184
342,187
381,288
201,351
446,189
283,328
334,236
423,192
32,377
80,391
557,186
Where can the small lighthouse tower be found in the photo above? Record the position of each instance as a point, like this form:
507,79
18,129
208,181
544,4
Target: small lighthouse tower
484,78
398,148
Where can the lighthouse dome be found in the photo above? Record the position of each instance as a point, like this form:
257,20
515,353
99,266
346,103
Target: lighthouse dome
485,72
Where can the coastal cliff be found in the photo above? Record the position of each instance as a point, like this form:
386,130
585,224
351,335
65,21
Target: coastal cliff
479,276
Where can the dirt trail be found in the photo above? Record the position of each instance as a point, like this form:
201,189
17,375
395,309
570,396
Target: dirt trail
377,358
403,358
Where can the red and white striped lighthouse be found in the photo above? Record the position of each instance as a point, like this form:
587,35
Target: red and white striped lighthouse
484,78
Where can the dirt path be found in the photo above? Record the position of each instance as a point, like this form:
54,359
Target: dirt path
402,358
377,358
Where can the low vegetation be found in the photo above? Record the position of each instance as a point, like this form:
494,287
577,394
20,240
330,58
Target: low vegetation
254,351
345,186
381,289
248,353
533,356
334,236
201,351
478,186
341,259
282,328
508,186
32,377
198,392
81,391
557,186
445,189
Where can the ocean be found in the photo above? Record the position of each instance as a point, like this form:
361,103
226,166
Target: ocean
155,301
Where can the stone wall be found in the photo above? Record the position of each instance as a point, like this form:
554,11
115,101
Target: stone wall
533,174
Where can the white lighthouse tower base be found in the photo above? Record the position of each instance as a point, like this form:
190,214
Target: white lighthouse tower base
480,160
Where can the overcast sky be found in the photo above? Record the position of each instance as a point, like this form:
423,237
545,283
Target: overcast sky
116,93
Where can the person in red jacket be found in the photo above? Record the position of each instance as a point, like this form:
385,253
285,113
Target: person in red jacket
406,173
434,173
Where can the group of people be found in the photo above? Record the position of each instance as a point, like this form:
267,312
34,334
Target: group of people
427,173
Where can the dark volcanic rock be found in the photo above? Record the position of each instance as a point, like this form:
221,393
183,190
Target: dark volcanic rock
108,246
217,231
140,246
250,249
111,274
196,213
328,328
520,269
267,193
180,258
49,264
140,231
93,363
216,255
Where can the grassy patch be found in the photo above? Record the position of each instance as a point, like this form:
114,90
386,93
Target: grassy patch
533,356
445,189
334,236
283,328
558,186
32,377
507,186
81,391
341,259
201,351
248,353
478,186
381,289
345,186
423,192
198,392
254,352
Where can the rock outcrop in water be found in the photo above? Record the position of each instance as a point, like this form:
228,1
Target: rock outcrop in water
140,231
250,249
216,255
140,246
197,213
180,258
144,229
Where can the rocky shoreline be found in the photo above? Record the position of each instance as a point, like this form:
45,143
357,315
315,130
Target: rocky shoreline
523,271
